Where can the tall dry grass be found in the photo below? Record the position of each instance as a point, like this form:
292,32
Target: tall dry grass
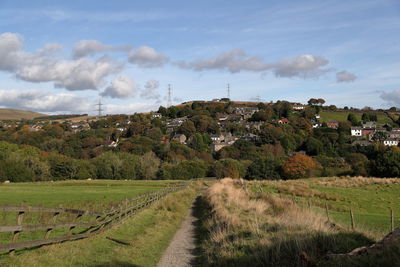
247,229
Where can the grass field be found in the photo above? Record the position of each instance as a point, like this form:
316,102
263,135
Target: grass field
149,233
15,114
342,116
95,194
369,201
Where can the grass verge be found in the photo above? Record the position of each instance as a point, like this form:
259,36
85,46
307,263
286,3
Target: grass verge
149,232
240,228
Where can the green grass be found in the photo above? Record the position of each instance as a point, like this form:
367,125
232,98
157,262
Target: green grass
342,116
95,194
149,232
370,204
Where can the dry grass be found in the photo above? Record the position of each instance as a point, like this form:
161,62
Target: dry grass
262,229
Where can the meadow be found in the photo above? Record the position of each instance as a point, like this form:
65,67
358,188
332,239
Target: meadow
96,195
342,116
370,199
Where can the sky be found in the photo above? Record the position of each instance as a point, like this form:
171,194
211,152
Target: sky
63,56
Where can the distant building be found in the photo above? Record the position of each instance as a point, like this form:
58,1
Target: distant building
180,138
332,124
298,107
156,115
356,131
391,142
283,121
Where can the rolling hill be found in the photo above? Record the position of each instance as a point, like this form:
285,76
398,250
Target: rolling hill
15,114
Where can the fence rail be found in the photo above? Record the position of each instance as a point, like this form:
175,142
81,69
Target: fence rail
100,221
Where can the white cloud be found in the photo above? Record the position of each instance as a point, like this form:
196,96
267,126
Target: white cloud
50,49
345,76
121,87
130,108
304,66
147,57
85,48
43,101
150,90
80,74
10,49
392,98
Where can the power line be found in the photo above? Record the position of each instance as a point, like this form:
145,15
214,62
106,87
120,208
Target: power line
169,103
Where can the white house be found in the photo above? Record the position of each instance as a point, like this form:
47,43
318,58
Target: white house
356,131
391,142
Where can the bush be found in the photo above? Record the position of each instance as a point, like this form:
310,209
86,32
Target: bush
228,168
264,169
187,169
299,166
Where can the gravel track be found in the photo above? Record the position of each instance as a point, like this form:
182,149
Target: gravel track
181,250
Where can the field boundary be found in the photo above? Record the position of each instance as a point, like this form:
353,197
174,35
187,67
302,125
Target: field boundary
101,223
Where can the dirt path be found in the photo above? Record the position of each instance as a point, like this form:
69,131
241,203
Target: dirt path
181,250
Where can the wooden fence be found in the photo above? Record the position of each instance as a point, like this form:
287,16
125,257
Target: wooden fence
99,222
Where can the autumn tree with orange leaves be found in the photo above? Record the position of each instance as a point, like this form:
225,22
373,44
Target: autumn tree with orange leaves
299,166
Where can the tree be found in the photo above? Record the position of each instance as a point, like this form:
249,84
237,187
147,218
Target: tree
314,146
263,169
149,164
299,166
387,164
187,128
353,119
321,101
227,168
312,101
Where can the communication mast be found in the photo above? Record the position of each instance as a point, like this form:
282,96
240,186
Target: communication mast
228,89
169,103
99,108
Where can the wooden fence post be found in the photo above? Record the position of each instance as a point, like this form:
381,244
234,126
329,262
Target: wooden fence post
352,219
53,220
327,212
391,219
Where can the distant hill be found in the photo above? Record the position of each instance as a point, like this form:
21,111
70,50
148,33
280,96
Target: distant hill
15,114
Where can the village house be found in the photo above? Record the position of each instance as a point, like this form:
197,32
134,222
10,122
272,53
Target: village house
35,128
332,124
215,147
298,107
156,115
394,133
217,137
356,131
391,142
283,121
180,138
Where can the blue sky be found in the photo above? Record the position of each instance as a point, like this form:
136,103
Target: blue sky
60,56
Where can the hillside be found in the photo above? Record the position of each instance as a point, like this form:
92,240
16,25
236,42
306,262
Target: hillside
15,114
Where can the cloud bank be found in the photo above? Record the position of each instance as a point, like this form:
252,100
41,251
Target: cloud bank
80,74
121,87
237,60
43,101
147,57
345,77
392,98
85,48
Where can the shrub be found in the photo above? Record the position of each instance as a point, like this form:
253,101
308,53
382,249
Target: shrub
264,169
299,166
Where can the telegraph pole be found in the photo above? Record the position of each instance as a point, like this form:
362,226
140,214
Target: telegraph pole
169,103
